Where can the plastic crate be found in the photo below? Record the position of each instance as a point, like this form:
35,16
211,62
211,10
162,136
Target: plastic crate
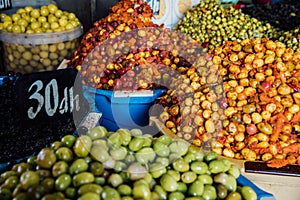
122,111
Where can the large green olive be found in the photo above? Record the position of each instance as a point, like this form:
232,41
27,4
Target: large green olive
97,132
115,139
110,193
90,188
160,191
11,182
198,153
124,190
163,160
115,180
28,179
176,196
209,192
248,193
82,146
21,167
182,187
6,174
64,154
59,168
161,149
83,178
141,191
165,139
205,179
79,165
136,171
48,184
234,171
68,140
221,191
63,182
216,166
175,174
157,169
234,196
125,135
196,189
136,132
188,177
136,143
168,183
46,158
89,196
118,153
190,157
179,147
99,154
145,155
231,183
102,143
181,165
199,167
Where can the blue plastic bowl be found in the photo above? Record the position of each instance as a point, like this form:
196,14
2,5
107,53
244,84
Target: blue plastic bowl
121,112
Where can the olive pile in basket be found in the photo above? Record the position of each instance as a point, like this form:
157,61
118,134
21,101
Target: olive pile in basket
123,165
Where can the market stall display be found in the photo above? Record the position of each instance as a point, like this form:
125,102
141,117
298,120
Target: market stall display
126,164
38,39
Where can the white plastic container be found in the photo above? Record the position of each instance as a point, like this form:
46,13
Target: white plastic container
26,53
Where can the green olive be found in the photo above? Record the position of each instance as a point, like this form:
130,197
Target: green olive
209,192
83,178
136,171
6,175
11,182
168,183
79,165
165,139
136,143
115,139
190,157
82,146
211,156
136,132
216,166
124,190
28,179
161,149
115,180
48,184
157,169
68,140
160,191
234,171
181,165
21,167
97,132
46,158
96,168
70,192
64,154
89,196
205,179
99,154
176,196
188,177
21,196
90,188
100,181
63,182
125,135
231,183
141,191
179,147
248,193
199,167
110,193
43,173
196,188
145,155
5,194
234,196
102,143
59,168
118,153
52,197
221,191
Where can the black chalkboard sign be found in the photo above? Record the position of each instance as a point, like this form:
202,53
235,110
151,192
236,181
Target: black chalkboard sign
47,97
5,5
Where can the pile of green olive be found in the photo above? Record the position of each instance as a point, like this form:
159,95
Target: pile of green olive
125,164
38,39
26,58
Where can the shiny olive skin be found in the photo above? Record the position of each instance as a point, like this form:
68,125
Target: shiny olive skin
188,177
89,196
83,178
5,194
97,132
209,192
22,196
90,188
221,191
124,190
157,170
199,167
52,197
181,165
168,183
176,196
136,143
68,141
205,179
28,179
63,182
196,189
182,187
64,154
21,167
82,146
110,193
115,180
141,191
79,165
210,156
11,182
70,192
234,196
248,193
125,135
36,192
96,168
59,168
48,184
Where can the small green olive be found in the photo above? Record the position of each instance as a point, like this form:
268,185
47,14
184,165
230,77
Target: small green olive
168,183
79,165
28,179
46,158
63,182
90,188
